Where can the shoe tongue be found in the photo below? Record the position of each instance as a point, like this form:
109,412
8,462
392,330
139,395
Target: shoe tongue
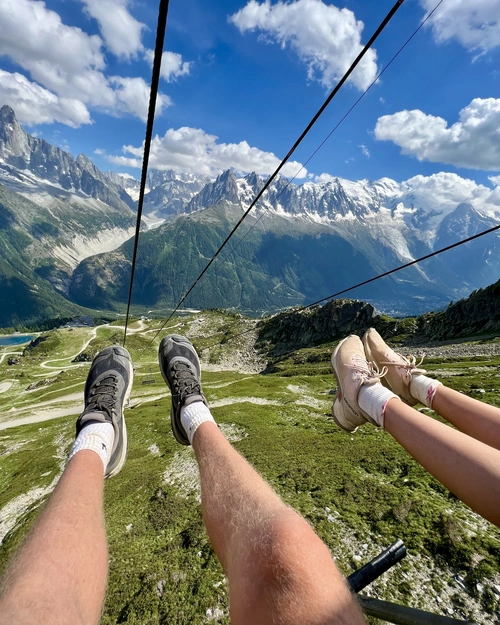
94,416
193,398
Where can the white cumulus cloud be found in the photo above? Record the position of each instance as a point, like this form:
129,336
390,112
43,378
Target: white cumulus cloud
172,65
326,39
475,24
472,142
35,105
121,32
192,150
132,96
449,188
446,189
324,178
65,60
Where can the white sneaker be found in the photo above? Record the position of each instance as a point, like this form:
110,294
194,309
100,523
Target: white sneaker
400,369
352,371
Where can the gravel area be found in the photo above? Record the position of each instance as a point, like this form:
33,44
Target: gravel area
454,350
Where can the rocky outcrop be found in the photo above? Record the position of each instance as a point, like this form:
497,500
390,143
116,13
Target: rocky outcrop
336,319
477,314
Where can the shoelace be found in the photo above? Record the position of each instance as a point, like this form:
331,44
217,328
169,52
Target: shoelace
367,369
103,395
184,381
410,364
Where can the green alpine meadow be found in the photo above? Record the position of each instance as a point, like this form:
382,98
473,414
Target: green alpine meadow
359,491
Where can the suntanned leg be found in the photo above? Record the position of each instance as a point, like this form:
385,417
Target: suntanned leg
59,575
406,380
467,467
279,570
473,417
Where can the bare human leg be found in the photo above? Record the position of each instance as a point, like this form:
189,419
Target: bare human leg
59,575
473,417
466,466
279,570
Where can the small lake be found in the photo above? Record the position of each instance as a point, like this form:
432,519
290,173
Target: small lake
15,339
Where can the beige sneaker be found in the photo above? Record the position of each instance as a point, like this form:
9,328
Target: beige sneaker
352,371
401,369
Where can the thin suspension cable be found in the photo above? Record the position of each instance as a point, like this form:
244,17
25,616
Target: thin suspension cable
155,79
377,277
336,89
289,182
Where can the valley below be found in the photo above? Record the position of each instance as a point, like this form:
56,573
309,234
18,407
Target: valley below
359,491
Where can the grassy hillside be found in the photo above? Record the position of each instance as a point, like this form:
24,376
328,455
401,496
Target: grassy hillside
360,492
277,264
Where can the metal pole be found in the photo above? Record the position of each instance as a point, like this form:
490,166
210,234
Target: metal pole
402,615
376,567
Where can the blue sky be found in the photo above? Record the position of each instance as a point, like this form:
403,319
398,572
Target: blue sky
243,78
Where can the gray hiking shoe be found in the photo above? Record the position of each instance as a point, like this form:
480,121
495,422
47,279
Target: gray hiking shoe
108,387
180,368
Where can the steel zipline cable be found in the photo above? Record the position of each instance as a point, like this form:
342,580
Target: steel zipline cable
349,111
155,79
334,92
368,281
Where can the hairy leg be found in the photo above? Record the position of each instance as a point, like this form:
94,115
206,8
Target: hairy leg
279,570
467,467
59,574
473,417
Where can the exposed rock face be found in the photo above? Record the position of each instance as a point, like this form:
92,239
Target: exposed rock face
224,188
478,313
313,326
34,343
23,151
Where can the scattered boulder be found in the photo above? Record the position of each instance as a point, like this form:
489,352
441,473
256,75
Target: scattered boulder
34,343
40,383
83,357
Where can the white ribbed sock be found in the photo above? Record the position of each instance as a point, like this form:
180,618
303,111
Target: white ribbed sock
98,437
424,389
193,416
373,398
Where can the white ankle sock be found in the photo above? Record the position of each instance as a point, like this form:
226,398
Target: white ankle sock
193,416
98,437
373,398
424,389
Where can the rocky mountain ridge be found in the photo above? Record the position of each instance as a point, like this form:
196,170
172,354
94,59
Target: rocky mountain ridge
306,241
55,210
24,152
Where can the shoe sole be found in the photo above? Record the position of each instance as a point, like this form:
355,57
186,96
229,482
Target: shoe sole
126,397
339,386
179,435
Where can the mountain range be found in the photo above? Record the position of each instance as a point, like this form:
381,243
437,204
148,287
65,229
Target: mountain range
66,227
300,244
